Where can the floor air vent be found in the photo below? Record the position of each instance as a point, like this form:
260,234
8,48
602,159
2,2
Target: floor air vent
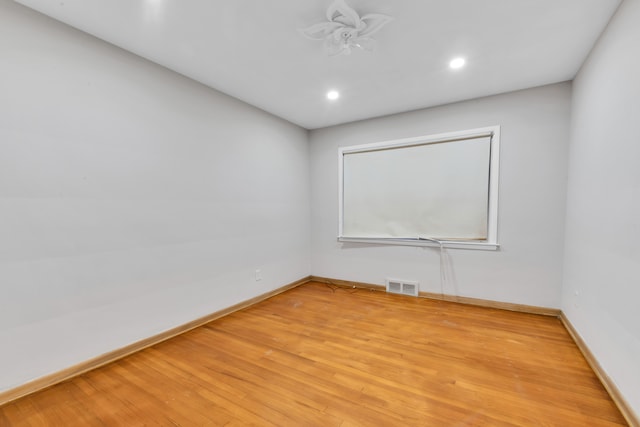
402,287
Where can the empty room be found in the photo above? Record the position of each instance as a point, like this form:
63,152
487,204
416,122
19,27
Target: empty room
319,213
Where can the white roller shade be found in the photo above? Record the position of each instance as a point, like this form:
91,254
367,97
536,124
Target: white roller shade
432,189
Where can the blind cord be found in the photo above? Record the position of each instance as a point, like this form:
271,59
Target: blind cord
443,273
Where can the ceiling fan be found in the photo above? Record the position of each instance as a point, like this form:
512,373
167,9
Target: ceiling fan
345,29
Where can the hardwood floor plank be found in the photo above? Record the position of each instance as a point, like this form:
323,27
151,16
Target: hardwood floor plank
318,355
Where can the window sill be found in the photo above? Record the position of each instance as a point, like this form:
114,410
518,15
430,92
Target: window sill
448,244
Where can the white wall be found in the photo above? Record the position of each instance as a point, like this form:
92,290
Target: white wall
602,256
534,148
132,199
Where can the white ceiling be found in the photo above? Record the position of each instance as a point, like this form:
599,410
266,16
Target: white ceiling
252,49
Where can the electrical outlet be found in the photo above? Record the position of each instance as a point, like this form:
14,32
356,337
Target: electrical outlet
258,275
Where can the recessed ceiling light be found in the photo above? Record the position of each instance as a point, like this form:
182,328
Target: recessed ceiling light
333,95
457,63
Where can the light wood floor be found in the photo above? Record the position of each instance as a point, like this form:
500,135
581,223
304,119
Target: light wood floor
324,356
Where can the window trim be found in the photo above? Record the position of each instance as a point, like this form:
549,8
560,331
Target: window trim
491,243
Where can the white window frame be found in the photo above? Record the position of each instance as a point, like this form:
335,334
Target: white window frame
491,243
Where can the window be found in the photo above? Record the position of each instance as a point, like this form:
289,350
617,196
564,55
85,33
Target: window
438,189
